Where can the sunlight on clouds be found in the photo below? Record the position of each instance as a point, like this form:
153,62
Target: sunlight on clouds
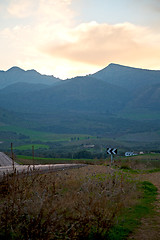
61,68
99,44
22,41
53,12
21,8
41,10
52,43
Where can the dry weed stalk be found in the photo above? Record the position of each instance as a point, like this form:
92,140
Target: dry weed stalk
72,204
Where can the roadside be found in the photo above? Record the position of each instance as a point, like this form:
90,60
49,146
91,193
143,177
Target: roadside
150,227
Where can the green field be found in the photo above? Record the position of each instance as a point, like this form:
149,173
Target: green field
47,144
43,136
29,146
40,160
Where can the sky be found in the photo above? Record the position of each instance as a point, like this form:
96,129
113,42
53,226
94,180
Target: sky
68,38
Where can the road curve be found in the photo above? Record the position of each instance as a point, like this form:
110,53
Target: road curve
5,160
37,168
6,166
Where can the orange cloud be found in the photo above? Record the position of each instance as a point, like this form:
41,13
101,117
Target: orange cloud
52,44
98,44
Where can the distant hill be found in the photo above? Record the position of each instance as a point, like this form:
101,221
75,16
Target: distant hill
84,94
106,101
16,75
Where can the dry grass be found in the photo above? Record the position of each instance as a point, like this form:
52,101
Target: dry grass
74,204
141,162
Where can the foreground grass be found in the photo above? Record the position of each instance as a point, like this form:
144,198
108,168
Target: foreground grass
94,202
73,204
131,217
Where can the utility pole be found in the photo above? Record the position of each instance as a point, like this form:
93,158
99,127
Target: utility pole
12,155
33,156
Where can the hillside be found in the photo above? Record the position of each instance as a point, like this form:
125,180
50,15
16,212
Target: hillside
149,98
82,94
113,101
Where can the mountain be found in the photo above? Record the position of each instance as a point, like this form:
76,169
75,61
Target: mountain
81,94
16,75
113,101
9,117
127,77
149,99
23,87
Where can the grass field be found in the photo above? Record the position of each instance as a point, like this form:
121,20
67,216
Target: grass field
93,202
22,140
144,161
29,146
39,160
44,136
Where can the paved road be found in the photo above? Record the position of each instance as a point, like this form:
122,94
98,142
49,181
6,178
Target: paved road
40,168
6,166
5,160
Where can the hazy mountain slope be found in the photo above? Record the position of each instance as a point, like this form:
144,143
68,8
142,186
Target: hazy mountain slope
79,94
12,118
87,94
128,77
95,104
148,99
15,74
23,87
74,122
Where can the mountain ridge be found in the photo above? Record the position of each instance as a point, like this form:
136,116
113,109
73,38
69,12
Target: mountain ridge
16,74
95,103
128,77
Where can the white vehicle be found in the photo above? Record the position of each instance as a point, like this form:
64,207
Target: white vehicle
128,154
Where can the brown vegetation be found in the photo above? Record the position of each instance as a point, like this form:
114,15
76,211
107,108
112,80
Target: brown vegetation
74,204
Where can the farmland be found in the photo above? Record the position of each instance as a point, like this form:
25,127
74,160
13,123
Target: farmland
52,145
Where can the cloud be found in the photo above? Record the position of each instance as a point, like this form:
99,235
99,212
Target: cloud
51,10
21,8
54,12
20,39
52,43
97,44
